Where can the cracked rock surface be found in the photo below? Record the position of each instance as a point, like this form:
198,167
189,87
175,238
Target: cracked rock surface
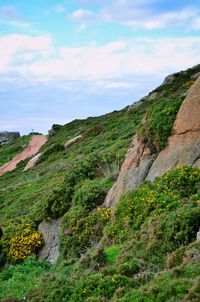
50,231
184,146
183,149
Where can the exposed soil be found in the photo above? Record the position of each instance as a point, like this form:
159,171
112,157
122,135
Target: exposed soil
36,142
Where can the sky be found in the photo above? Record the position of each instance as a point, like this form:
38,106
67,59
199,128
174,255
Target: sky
69,59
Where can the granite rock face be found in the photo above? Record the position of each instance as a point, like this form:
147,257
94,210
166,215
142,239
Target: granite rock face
134,170
50,232
183,149
184,146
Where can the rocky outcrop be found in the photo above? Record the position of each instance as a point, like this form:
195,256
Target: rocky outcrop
72,141
50,232
134,170
183,150
184,146
6,137
33,162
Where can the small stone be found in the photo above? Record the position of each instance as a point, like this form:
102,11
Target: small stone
72,141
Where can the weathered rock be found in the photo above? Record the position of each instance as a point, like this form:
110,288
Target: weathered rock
169,79
6,137
183,149
184,146
195,76
50,232
134,170
72,141
188,117
33,162
135,105
151,96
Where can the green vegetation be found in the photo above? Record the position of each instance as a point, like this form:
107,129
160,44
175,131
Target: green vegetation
8,151
143,250
16,280
19,241
158,122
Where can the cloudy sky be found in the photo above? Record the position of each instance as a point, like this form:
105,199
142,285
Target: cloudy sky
67,59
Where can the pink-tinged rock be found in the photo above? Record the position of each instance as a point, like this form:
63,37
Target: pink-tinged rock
134,170
188,117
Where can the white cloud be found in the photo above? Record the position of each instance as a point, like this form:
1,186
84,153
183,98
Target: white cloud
165,20
24,48
37,59
83,15
116,84
142,14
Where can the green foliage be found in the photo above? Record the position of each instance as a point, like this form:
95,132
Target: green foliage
165,194
54,148
58,201
111,253
16,280
19,241
8,151
158,123
89,194
85,233
88,288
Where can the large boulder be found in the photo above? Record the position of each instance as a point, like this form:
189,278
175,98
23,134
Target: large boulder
50,231
33,162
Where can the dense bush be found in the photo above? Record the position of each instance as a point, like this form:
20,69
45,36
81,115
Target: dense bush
58,201
20,241
86,232
165,194
89,194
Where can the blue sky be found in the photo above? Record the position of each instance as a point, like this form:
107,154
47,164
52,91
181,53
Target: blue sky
61,60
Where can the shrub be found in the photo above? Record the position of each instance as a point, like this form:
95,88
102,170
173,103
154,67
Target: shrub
58,201
20,241
86,232
165,194
89,194
111,253
99,285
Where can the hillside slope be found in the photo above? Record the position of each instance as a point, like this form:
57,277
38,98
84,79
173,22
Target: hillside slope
144,249
36,142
